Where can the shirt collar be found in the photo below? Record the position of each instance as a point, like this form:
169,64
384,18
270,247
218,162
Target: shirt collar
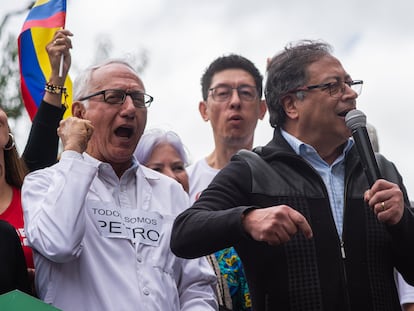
306,150
103,166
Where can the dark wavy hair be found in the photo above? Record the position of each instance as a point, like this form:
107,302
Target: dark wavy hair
287,71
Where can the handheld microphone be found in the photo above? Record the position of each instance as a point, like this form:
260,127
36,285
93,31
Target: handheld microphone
356,121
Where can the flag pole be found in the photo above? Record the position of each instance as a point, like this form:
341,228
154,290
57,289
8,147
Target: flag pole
61,61
61,66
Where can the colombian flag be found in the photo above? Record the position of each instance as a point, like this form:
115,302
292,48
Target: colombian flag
45,17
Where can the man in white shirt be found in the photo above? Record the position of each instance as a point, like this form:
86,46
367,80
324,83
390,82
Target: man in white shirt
99,222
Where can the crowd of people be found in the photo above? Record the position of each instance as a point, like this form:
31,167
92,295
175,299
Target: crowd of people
121,220
310,231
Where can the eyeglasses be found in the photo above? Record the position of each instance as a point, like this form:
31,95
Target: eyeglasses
336,89
223,93
117,97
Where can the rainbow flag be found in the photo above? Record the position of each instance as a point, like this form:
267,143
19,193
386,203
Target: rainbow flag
45,17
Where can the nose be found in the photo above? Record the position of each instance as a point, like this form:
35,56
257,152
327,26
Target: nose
235,99
169,172
128,108
348,92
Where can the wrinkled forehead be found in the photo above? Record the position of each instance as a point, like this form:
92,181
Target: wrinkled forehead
116,75
326,67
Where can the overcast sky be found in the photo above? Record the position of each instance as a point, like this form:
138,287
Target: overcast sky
374,40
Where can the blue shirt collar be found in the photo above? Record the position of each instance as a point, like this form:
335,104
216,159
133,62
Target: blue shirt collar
307,151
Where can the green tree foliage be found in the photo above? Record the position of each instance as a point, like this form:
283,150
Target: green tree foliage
10,99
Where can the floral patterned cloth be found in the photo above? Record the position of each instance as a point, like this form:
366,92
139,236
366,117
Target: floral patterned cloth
232,269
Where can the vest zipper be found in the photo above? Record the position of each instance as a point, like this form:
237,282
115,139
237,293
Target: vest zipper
342,249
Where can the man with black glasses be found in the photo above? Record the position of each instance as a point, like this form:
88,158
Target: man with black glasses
311,233
232,102
99,222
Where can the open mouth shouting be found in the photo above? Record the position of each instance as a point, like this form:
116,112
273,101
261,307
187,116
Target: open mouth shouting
124,131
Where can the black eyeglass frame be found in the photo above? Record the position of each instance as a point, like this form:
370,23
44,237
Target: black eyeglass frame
148,99
329,86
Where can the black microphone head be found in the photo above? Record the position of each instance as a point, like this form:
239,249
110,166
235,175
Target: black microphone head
355,119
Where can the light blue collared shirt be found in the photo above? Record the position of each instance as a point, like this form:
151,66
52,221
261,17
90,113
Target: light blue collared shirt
332,175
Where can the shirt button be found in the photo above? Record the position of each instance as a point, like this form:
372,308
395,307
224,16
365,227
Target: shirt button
139,259
146,291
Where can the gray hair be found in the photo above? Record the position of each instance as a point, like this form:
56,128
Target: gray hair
287,71
152,138
81,85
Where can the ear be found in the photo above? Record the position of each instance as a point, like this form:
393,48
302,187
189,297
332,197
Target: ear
263,109
289,105
202,107
78,110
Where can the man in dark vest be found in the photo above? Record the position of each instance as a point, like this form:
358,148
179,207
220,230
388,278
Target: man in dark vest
310,231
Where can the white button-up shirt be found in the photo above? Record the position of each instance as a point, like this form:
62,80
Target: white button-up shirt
103,243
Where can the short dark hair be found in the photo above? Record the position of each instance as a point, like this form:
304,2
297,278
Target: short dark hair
232,61
287,71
